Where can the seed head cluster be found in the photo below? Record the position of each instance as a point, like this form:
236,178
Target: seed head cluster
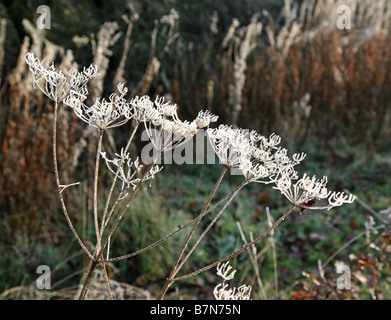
260,158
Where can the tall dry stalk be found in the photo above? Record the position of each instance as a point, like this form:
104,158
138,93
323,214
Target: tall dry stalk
3,26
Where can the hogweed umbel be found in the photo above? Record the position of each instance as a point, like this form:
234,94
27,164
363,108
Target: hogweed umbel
306,192
222,290
128,169
164,128
103,114
55,84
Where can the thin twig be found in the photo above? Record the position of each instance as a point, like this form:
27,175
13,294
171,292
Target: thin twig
104,222
273,243
119,217
254,262
212,223
177,264
347,244
260,237
106,279
223,171
153,245
361,202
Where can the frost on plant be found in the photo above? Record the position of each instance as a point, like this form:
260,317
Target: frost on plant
103,114
262,160
308,191
56,85
162,124
128,169
222,290
259,158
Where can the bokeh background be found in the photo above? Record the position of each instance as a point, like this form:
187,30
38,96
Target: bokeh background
273,66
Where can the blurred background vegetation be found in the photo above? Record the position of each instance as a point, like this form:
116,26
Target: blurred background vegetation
272,66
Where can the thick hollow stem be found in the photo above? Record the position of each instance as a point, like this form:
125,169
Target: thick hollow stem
88,279
96,177
64,208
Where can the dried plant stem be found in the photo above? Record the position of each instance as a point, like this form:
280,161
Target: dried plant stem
99,233
3,25
96,177
112,210
211,224
273,245
106,278
178,264
244,248
99,255
104,222
253,258
371,211
101,260
87,281
131,197
153,245
64,208
175,269
191,233
347,244
114,226
119,74
103,225
92,266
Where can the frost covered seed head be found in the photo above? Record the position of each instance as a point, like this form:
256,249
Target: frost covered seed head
103,114
229,144
258,157
204,118
54,84
163,126
128,169
308,191
223,271
222,290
